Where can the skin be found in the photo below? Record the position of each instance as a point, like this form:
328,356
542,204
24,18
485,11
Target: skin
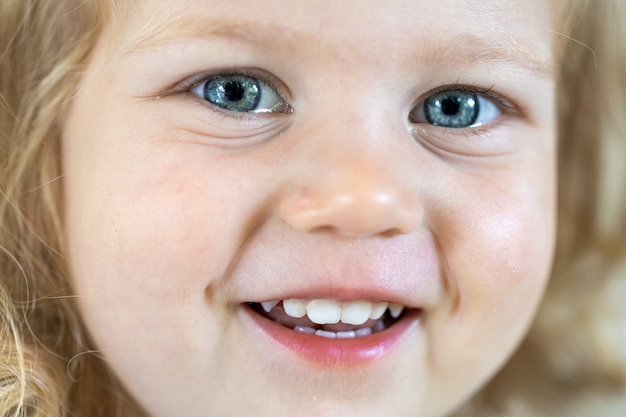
177,212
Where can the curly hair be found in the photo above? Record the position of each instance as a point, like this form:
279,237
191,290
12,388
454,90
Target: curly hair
47,364
44,47
571,354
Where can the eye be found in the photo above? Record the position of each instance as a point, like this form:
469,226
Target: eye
241,93
456,109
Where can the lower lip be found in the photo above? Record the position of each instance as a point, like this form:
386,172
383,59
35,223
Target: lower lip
336,352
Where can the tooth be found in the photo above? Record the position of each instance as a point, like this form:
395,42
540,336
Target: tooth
294,308
349,334
323,311
356,312
326,334
366,331
304,329
268,305
378,309
395,310
379,326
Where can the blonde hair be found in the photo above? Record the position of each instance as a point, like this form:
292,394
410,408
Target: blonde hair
570,356
45,365
44,47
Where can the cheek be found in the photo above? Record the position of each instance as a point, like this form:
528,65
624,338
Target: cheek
501,248
145,250
497,254
162,235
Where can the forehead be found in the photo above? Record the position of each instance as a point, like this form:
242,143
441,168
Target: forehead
457,29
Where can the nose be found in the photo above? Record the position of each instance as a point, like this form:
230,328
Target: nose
354,195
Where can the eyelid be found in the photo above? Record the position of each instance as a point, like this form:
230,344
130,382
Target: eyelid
194,81
503,103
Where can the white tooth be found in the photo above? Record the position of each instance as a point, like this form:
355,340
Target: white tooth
323,311
378,309
294,308
268,305
350,334
395,310
304,329
356,312
326,334
366,331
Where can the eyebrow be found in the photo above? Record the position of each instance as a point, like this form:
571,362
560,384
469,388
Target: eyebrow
201,28
459,50
502,50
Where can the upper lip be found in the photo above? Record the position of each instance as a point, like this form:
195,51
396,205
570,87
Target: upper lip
343,293
420,288
386,270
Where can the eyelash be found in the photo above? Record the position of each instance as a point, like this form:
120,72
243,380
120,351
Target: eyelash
189,84
488,93
186,86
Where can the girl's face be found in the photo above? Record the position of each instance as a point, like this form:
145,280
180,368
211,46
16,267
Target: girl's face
319,160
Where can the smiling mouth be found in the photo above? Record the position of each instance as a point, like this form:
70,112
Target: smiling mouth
330,318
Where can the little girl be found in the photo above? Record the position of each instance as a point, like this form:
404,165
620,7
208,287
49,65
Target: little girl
228,208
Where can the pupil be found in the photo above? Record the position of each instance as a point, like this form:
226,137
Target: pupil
233,91
450,106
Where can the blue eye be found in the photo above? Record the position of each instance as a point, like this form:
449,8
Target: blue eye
458,109
241,93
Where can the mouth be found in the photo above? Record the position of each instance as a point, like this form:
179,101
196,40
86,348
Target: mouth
332,319
334,334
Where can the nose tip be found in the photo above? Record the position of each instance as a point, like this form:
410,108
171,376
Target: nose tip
355,210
